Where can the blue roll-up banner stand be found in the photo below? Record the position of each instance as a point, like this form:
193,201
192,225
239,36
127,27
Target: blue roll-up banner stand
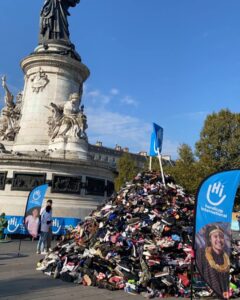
212,232
32,210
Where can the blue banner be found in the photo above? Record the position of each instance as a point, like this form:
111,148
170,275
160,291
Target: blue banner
212,240
59,225
156,140
36,197
15,225
33,207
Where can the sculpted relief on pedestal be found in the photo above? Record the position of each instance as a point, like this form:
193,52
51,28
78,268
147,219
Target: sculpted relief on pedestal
67,120
10,114
39,81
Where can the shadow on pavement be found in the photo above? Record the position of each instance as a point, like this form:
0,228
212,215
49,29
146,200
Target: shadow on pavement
27,285
4,256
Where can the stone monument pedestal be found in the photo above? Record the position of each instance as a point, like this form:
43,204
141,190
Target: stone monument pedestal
69,148
48,79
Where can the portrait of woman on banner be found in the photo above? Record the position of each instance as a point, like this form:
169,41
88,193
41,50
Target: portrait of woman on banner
32,221
212,257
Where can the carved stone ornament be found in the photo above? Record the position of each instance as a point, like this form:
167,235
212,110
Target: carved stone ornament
39,81
66,184
95,186
67,120
10,114
27,181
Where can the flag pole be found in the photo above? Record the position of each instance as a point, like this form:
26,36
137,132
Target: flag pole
191,297
150,163
161,168
20,240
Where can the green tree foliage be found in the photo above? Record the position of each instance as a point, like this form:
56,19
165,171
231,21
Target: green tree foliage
127,170
219,145
217,149
186,169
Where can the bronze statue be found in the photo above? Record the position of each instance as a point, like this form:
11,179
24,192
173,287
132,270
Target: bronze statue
53,20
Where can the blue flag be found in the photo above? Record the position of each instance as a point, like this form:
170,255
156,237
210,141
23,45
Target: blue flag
33,207
212,239
156,140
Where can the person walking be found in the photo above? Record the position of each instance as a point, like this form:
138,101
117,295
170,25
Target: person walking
49,236
46,220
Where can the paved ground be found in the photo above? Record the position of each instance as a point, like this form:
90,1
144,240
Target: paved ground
19,280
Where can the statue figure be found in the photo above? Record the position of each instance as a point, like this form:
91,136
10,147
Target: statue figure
53,20
83,123
18,105
8,96
68,120
55,120
10,114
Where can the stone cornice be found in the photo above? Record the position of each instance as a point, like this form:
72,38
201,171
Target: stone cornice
7,159
54,60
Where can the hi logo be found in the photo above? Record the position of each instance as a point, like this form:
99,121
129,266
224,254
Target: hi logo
36,195
215,194
159,138
56,226
154,147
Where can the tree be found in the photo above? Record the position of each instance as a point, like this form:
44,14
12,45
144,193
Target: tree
186,169
219,145
217,149
127,170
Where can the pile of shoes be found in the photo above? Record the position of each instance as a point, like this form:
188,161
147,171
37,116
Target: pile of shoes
235,269
139,241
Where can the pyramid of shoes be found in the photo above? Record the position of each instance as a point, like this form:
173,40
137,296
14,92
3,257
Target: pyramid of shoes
139,241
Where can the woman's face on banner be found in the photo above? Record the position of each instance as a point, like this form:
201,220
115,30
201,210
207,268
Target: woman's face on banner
217,241
35,213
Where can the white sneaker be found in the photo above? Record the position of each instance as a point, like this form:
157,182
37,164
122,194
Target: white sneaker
44,253
41,268
38,252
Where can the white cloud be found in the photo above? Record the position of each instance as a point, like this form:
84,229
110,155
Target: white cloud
114,91
102,99
96,96
114,128
129,101
117,128
94,93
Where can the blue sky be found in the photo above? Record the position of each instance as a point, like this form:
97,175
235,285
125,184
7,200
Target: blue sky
167,61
